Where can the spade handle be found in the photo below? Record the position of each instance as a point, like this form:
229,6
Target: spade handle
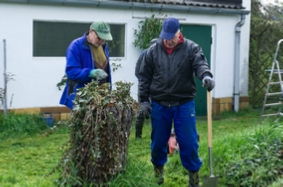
209,119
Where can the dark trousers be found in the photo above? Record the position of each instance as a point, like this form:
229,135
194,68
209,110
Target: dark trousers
139,127
139,121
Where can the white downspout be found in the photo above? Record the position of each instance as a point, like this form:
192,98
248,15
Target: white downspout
5,81
236,93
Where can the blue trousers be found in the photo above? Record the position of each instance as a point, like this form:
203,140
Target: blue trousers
184,119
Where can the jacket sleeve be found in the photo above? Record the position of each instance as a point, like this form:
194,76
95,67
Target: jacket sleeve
199,62
146,72
75,70
138,64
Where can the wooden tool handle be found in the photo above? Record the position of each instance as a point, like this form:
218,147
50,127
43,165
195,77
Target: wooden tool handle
209,119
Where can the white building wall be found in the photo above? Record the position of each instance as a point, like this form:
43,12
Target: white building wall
36,77
244,52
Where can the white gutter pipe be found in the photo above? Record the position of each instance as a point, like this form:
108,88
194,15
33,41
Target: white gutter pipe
5,82
236,93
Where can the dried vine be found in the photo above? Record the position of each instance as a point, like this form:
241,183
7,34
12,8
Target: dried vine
100,130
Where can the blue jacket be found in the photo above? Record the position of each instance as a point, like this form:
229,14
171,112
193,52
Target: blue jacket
79,64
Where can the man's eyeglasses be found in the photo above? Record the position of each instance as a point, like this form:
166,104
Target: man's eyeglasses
97,36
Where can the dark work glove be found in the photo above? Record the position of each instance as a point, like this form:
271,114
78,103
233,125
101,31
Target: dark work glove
208,82
144,110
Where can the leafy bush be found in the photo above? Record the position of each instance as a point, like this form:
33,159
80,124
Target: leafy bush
21,124
252,159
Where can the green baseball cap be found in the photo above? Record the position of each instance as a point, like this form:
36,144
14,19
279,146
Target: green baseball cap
102,29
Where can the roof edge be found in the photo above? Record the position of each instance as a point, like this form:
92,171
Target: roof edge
133,5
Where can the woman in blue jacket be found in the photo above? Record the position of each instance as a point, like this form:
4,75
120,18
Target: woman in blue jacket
87,58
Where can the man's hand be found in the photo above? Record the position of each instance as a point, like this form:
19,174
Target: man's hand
98,74
208,82
144,110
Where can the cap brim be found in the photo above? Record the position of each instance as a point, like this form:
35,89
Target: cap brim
104,36
166,36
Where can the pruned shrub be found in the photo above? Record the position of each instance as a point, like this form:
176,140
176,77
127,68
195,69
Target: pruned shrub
100,129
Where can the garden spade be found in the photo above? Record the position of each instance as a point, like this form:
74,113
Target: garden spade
211,180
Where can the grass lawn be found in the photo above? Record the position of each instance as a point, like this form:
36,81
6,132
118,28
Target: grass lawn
27,161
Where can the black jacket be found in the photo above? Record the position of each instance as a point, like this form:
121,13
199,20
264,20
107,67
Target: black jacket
138,64
169,79
139,61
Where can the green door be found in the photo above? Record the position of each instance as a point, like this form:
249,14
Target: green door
202,36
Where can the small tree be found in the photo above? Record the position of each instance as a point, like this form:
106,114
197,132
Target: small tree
3,91
148,29
2,95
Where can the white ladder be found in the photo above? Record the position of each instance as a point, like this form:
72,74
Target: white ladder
275,70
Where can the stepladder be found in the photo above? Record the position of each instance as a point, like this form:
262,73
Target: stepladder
273,98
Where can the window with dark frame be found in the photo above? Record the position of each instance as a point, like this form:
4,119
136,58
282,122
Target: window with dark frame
51,38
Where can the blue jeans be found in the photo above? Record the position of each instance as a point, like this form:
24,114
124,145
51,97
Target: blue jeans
184,119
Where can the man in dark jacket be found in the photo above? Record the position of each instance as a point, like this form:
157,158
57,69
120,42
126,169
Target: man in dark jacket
87,58
140,118
167,79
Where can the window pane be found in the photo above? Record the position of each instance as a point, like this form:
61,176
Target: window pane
117,45
51,39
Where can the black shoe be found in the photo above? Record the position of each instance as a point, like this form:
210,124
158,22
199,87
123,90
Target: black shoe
138,138
139,126
193,179
158,172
